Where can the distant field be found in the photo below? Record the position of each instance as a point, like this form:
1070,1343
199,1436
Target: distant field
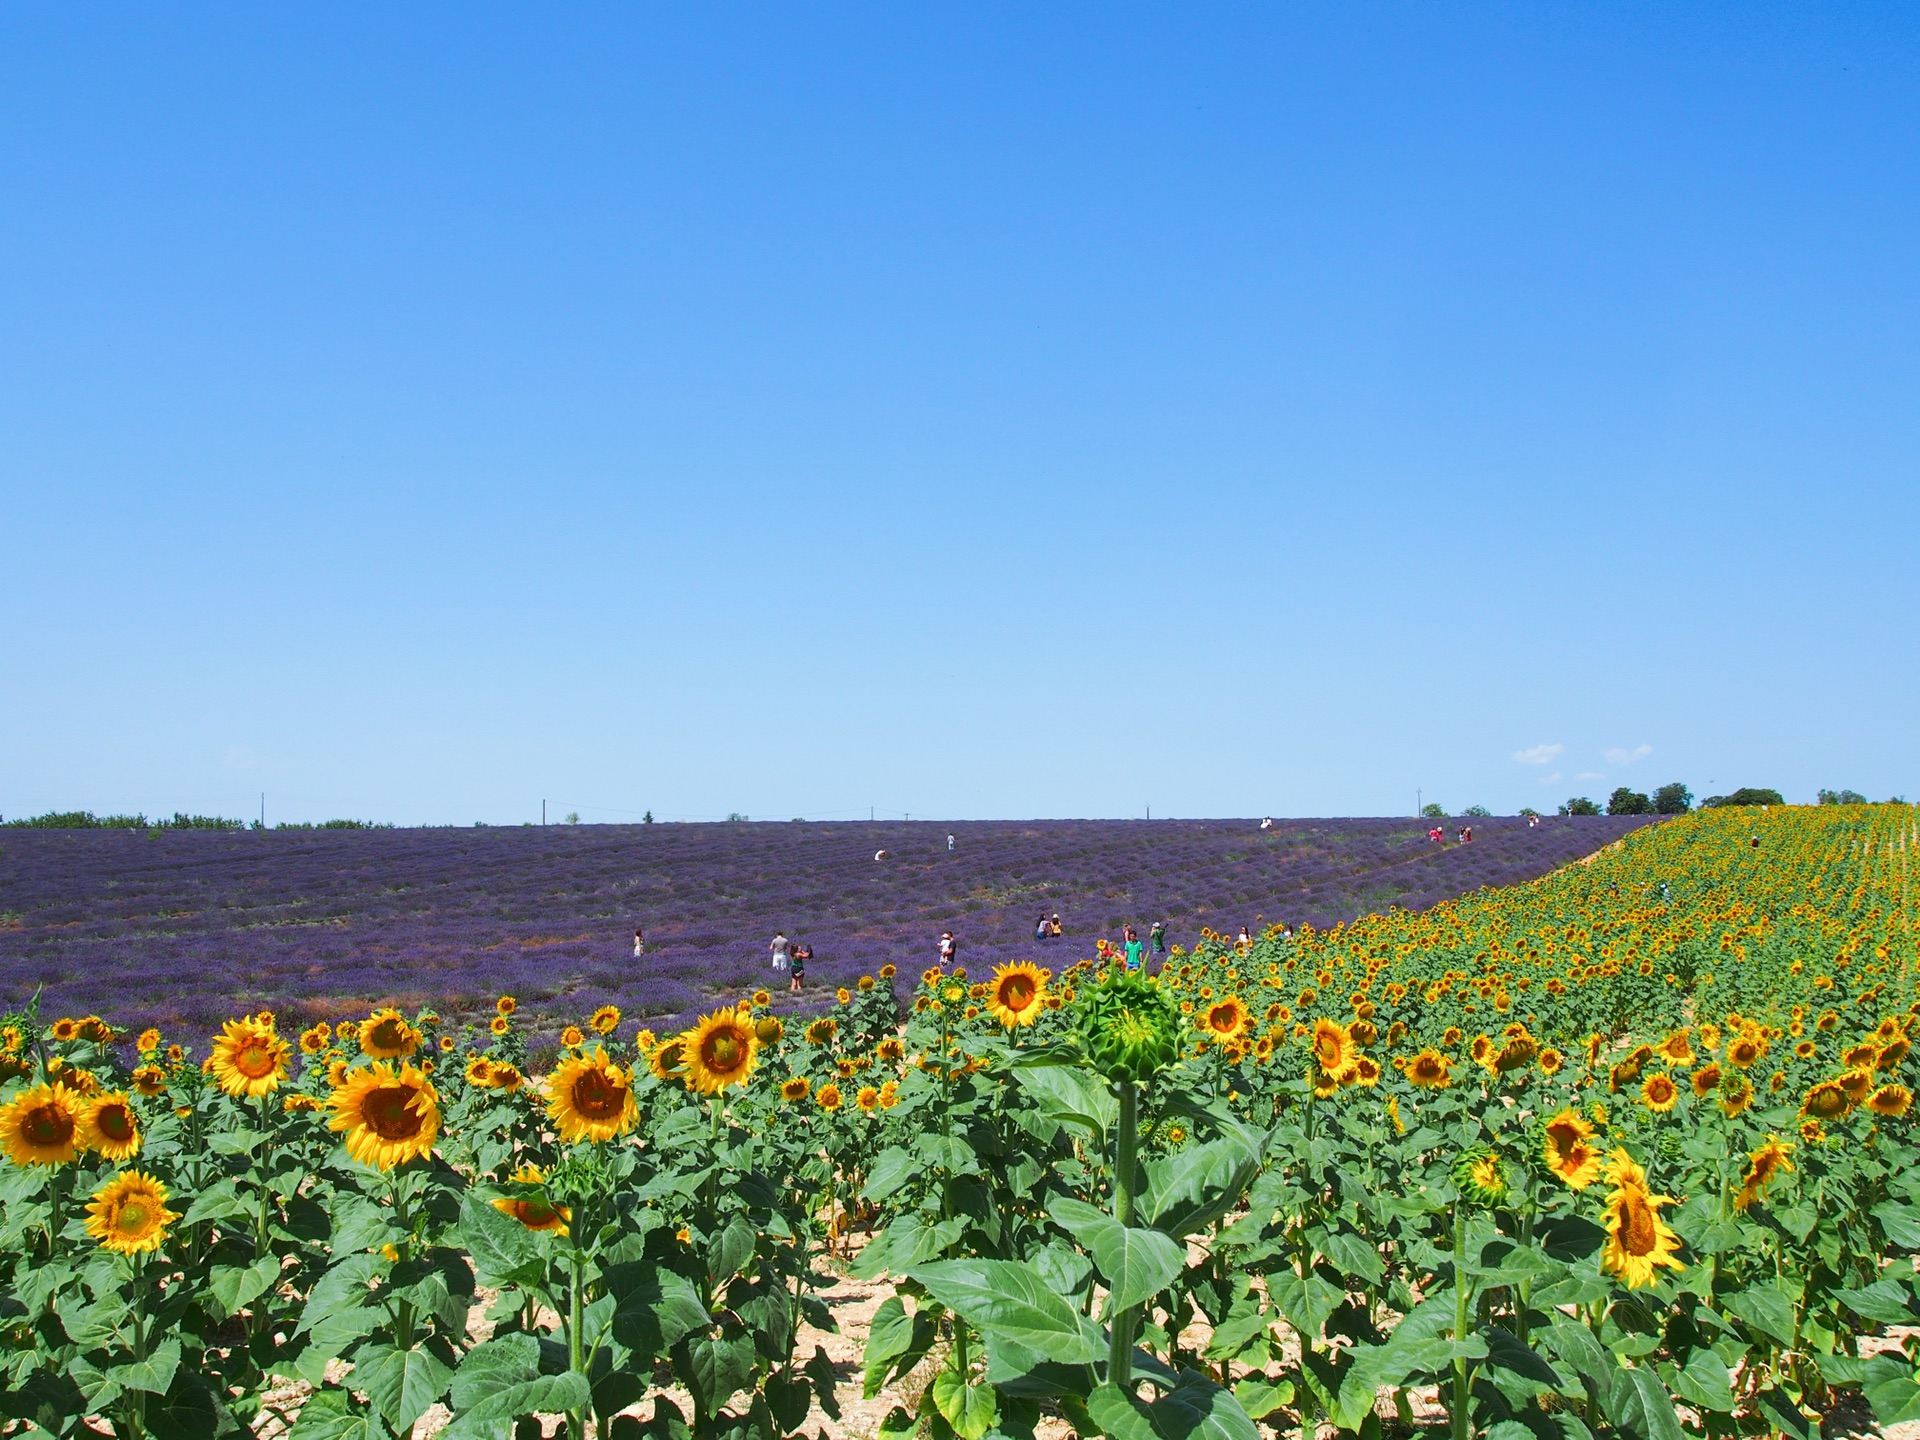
187,927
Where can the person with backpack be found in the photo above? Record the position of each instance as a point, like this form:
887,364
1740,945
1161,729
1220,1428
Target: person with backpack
1157,937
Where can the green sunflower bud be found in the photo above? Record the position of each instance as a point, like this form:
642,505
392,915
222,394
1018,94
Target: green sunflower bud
1128,1026
1481,1177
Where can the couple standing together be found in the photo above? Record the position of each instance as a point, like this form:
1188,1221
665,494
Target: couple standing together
790,959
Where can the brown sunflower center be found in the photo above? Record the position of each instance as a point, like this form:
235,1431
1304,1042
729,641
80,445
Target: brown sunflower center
596,1096
115,1123
253,1059
1017,992
724,1051
47,1125
1639,1233
387,1112
386,1034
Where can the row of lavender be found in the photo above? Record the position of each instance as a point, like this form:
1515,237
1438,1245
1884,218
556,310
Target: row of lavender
187,927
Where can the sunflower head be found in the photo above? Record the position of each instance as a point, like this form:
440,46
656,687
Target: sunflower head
1567,1150
388,1114
109,1127
386,1035
1551,1061
720,1050
1333,1049
1638,1240
665,1059
129,1214
1225,1019
573,1037
1480,1176
795,1088
41,1126
148,1042
1017,994
867,1098
590,1098
827,1097
768,1030
505,1005
1430,1070
822,1031
150,1080
1128,1026
606,1019
248,1058
1890,1100
1706,1080
479,1072
1763,1167
1658,1093
1825,1101
499,1025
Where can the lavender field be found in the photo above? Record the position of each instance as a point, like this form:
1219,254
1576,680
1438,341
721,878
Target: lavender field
186,927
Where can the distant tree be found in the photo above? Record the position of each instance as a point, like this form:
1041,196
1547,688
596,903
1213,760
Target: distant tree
1478,812
1580,805
1674,799
1746,795
573,817
1842,797
647,819
1629,802
1527,811
1433,810
735,815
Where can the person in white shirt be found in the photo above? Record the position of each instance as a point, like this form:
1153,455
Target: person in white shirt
639,942
780,949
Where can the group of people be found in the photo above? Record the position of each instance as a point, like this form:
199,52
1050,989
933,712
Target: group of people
790,959
1438,835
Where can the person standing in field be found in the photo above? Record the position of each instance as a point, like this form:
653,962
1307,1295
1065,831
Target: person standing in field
1244,939
782,952
801,954
639,942
949,844
1056,929
1135,950
1040,930
949,948
1157,937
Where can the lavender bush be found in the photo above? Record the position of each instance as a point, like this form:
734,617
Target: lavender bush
185,927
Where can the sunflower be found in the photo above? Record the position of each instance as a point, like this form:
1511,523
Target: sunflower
1890,1100
248,1058
1676,1049
176,1054
1736,1094
533,1211
1825,1101
65,1029
768,1030
1763,1166
843,995
1858,1084
590,1098
1333,1049
665,1059
298,1102
385,1035
1551,1061
1566,1151
150,1080
606,1019
889,1094
1017,994
761,999
868,1099
721,1050
1430,1070
572,1038
40,1126
1366,1070
313,1039
129,1214
827,1097
480,1072
148,1042
1860,1057
1893,1054
1659,1094
108,1126
1479,1175
1637,1238
822,1031
1706,1080
505,1005
1481,1050
1226,1019
795,1088
447,1044
389,1116
888,971
1325,1086
889,1049
506,1077
843,1068
499,1025
644,1039
337,1071
1804,1050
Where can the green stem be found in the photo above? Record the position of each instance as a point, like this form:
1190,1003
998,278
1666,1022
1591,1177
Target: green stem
137,1399
576,1419
1462,1388
1120,1351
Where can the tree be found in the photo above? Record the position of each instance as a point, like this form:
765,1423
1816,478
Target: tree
1674,799
1478,812
1527,810
1579,805
1746,795
1432,811
647,819
1842,797
1629,802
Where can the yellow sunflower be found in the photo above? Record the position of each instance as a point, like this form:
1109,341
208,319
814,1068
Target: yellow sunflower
795,1088
480,1072
248,1058
822,1031
606,1019
148,1042
1637,1238
499,1025
1677,1048
1706,1080
1430,1070
1659,1094
129,1214
1366,1070
889,1094
721,1050
108,1126
506,1077
389,1116
1763,1166
386,1035
40,1126
1825,1101
313,1039
65,1029
768,1030
1890,1100
1227,1019
534,1211
1333,1049
505,1005
590,1098
1017,994
868,1099
1551,1061
1858,1084
1566,1151
150,1080
827,1097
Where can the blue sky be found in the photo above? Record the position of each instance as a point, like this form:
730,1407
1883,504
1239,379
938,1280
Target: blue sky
967,411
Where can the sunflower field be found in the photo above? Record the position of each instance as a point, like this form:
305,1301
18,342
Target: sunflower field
1626,1150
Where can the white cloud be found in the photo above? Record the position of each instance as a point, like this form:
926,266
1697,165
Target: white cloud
1620,755
1539,754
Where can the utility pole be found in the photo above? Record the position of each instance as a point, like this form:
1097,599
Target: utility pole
263,809
1149,812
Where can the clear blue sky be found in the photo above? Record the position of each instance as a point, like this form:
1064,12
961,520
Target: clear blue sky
967,411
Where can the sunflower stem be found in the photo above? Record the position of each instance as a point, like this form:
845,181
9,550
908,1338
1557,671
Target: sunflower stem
1120,1348
1462,1389
576,1419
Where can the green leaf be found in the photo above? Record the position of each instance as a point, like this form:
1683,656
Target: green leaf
1198,1409
731,1250
330,1415
1119,1415
402,1383
1570,1238
503,1250
1011,1299
218,1201
656,1308
343,1287
1900,1222
1351,1254
238,1286
906,1243
359,1224
717,1367
1306,1303
1889,1388
501,1362
1765,1308
492,1418
1072,1097
1137,1264
1191,1188
892,1169
1506,1350
896,1342
1886,1300
188,1411
1705,1381
1639,1403
152,1375
971,1410
1260,1398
